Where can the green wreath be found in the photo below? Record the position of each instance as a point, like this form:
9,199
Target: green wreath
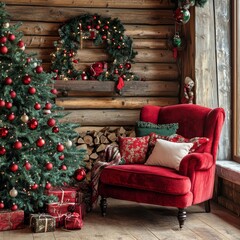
101,30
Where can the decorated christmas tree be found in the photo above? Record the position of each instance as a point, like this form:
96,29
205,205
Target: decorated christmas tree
36,148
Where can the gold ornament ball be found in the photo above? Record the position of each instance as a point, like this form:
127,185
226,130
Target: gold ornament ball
68,143
24,118
13,192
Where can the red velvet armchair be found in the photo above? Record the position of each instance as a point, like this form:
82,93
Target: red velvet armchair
194,181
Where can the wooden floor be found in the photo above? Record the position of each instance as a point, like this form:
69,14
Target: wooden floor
132,221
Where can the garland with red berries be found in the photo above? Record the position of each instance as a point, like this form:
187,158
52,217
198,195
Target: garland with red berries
101,30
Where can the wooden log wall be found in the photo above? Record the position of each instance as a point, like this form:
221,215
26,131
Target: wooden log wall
149,22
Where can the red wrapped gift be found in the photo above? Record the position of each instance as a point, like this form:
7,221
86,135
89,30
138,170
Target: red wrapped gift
64,194
79,208
11,220
73,221
59,211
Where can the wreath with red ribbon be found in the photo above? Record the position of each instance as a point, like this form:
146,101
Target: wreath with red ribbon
101,30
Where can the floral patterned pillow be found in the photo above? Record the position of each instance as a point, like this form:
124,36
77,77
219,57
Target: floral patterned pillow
133,149
198,142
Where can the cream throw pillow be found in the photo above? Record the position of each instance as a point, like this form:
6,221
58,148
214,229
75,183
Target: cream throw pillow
168,154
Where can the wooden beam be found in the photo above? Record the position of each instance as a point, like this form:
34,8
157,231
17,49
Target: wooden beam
112,102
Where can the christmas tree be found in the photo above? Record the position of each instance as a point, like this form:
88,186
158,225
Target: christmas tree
36,149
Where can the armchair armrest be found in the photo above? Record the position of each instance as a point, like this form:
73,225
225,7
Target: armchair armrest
195,162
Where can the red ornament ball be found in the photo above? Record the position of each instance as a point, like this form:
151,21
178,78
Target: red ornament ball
128,66
13,94
26,80
79,174
2,103
14,207
1,205
8,81
20,44
54,91
27,166
55,129
106,27
3,39
60,147
40,142
48,186
2,150
63,167
98,27
37,106
32,124
3,132
11,117
48,105
3,50
13,167
17,145
51,122
104,37
34,186
61,157
32,90
8,105
39,69
116,71
49,166
84,76
11,37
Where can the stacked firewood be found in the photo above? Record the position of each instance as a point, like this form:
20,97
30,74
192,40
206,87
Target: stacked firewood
95,142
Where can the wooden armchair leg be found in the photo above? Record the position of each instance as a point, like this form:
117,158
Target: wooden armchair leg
103,206
207,206
182,215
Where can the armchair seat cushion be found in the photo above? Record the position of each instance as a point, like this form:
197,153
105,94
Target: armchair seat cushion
150,178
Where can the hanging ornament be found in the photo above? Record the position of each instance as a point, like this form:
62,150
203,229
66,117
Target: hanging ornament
3,39
13,167
48,105
13,192
55,129
84,76
2,205
2,103
79,174
68,144
128,66
12,94
14,207
60,147
54,91
24,118
37,106
32,124
39,69
176,41
21,44
61,157
49,166
27,165
6,25
34,186
186,3
51,122
8,81
48,186
46,111
17,145
11,37
11,117
40,142
3,50
3,132
182,15
8,105
2,150
63,167
32,90
26,80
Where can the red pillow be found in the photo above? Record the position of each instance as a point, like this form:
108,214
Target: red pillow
198,142
133,149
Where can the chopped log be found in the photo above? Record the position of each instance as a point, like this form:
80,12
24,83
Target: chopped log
96,140
80,140
112,137
90,150
82,146
101,148
121,131
88,140
103,139
94,156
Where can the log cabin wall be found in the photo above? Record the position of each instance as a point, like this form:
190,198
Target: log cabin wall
148,22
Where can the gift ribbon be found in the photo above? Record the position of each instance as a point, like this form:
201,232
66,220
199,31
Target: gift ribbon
62,198
41,216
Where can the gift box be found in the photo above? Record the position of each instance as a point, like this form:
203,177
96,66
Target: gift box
73,221
42,223
59,211
79,208
11,220
64,194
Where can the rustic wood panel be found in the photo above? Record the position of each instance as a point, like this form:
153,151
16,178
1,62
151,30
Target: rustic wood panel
101,4
132,88
55,14
103,117
110,103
